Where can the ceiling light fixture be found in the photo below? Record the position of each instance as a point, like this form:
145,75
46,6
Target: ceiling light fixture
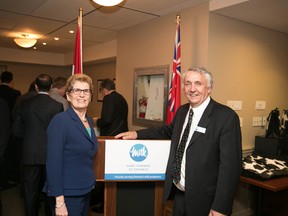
24,41
108,3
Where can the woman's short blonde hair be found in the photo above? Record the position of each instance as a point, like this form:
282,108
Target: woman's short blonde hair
79,77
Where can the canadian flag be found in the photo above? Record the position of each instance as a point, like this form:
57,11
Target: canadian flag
174,98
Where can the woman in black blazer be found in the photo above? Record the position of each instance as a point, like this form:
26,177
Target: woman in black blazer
72,146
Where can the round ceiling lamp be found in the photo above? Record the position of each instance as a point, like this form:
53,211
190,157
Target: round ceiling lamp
24,41
108,3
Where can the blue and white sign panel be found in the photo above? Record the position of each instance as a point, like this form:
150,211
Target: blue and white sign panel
136,159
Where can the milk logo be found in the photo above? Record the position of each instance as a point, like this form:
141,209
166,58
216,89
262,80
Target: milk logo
138,152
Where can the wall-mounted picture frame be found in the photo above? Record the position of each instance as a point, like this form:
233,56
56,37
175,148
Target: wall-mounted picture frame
150,96
99,95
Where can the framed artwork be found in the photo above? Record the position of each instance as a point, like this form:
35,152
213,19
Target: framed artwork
150,95
99,95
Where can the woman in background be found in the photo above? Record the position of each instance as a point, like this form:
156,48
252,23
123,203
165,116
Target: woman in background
72,146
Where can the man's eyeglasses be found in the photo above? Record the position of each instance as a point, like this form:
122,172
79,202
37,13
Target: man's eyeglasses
78,91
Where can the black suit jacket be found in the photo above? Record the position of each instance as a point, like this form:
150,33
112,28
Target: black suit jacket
9,94
4,127
31,122
113,115
213,158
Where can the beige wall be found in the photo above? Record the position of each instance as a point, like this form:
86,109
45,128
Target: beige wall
249,64
24,74
96,72
152,44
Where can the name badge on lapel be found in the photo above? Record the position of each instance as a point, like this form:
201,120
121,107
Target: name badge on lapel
200,129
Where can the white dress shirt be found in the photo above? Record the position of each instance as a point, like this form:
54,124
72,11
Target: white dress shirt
198,111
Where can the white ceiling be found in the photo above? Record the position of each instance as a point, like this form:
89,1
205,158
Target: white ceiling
47,19
271,14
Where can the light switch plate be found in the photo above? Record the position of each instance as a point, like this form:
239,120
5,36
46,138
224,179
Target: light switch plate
235,105
260,105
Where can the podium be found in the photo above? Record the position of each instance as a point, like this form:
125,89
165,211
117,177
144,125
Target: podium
151,191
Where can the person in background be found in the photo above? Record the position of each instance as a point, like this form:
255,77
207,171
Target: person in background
4,127
113,121
203,169
6,89
58,91
17,142
10,95
31,122
114,111
4,135
71,149
30,93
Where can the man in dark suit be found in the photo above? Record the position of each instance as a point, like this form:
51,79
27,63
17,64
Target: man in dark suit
114,110
113,121
209,170
10,95
7,91
4,128
31,122
16,161
4,135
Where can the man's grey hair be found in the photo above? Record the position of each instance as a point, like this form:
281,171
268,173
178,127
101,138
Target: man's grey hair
201,70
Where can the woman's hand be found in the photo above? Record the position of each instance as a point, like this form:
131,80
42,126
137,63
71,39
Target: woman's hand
60,206
61,211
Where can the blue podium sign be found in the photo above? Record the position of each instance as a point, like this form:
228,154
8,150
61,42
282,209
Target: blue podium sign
136,159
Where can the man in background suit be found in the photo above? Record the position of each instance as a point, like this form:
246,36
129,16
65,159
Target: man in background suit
113,121
4,135
31,122
10,95
211,165
6,89
30,93
4,128
16,161
114,111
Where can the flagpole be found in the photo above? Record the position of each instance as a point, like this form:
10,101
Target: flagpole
78,63
80,15
178,18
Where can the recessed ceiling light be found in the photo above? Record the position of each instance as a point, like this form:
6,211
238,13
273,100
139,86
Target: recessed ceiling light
56,38
44,44
34,47
71,31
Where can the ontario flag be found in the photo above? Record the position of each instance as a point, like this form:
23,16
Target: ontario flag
174,98
78,64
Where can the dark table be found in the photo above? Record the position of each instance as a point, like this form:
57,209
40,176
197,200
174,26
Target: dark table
275,185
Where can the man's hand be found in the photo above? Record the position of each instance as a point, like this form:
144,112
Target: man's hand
127,135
